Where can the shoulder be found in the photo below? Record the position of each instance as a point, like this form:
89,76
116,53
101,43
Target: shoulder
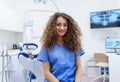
80,52
43,54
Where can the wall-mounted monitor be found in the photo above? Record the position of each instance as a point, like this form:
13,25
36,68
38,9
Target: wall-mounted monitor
112,43
105,19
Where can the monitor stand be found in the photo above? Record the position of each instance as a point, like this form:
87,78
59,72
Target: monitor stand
114,50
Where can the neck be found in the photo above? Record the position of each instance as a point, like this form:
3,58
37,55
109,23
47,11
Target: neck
60,40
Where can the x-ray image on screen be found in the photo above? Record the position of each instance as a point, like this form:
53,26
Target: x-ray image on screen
103,19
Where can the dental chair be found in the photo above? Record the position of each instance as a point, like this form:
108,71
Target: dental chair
28,60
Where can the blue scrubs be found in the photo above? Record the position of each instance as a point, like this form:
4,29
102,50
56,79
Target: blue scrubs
62,61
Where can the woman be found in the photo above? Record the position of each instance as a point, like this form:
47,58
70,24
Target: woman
61,50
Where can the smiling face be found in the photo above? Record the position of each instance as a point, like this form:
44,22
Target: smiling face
61,26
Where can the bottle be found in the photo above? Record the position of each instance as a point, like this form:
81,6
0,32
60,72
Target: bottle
107,70
102,70
13,46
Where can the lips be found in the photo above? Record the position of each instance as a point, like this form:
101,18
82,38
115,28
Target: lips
62,31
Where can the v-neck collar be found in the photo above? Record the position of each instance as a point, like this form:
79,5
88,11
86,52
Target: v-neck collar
60,45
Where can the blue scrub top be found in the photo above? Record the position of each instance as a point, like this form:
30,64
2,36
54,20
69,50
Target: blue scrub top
62,61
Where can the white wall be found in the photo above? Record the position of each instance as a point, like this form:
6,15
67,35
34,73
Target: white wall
10,38
17,10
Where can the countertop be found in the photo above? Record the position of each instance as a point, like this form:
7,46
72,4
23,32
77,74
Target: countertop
13,52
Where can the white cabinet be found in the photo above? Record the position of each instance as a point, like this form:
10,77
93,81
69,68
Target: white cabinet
114,67
10,20
92,69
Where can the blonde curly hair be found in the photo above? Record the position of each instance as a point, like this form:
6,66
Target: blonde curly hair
72,38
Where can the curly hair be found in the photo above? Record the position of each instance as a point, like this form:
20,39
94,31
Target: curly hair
72,38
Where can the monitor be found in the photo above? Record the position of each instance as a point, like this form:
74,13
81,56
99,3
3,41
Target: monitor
105,19
112,43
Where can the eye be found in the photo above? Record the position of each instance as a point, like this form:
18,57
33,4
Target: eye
58,24
65,25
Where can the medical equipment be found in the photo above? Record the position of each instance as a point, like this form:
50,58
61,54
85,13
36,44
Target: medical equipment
28,60
5,63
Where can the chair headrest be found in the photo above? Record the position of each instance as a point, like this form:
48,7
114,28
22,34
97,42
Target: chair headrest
30,46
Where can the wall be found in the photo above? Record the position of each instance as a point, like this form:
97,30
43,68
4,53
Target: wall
10,38
17,10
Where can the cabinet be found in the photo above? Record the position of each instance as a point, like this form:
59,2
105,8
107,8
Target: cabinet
92,69
114,67
10,20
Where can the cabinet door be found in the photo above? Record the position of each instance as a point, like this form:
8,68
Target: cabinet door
92,69
114,67
10,20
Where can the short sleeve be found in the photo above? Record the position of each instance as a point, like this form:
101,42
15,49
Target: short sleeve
80,52
43,54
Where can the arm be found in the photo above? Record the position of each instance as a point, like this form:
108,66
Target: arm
48,75
78,69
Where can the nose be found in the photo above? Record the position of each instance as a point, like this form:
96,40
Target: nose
62,27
